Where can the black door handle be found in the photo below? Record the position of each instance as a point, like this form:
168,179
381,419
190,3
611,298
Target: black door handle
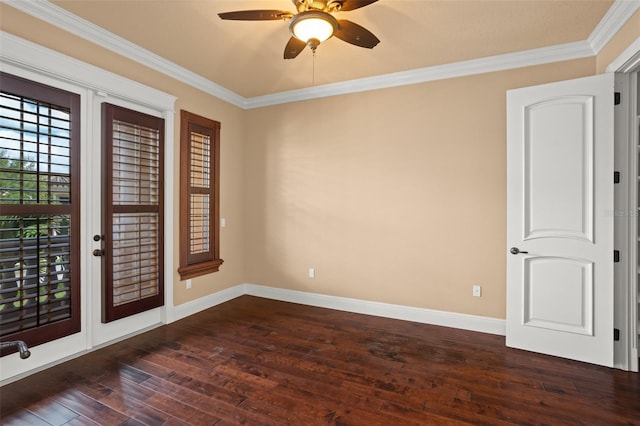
98,252
516,250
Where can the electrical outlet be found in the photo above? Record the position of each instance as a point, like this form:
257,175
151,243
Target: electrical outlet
312,273
477,291
189,283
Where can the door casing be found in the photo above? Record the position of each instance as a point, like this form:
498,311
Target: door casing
626,222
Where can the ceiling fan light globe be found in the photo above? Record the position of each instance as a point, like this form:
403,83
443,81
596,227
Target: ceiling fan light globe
313,25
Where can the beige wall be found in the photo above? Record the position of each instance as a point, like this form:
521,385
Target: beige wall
232,141
394,195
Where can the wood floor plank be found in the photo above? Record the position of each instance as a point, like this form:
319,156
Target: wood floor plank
126,397
89,407
55,413
185,412
80,421
23,418
224,408
253,361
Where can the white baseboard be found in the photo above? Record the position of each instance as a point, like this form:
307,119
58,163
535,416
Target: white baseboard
386,310
195,306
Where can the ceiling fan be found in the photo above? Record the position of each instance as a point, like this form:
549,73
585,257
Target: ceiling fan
313,23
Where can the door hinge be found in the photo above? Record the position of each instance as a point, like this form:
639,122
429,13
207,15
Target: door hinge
616,177
616,334
617,98
616,256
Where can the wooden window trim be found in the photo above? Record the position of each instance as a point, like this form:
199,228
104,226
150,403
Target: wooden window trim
193,265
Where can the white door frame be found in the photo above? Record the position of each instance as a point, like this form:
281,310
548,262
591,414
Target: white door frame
626,67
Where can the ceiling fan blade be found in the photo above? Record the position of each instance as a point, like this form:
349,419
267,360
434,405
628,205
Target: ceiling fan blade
355,4
293,48
355,34
256,15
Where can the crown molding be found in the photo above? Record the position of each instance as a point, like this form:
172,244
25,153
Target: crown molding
31,57
59,17
614,19
617,15
558,53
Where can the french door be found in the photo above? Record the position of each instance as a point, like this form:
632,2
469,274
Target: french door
127,213
53,155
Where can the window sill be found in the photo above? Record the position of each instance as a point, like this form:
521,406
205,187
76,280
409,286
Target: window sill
197,269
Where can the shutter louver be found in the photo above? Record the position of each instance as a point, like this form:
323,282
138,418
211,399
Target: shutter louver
200,193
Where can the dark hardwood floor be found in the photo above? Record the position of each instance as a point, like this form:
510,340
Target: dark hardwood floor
261,362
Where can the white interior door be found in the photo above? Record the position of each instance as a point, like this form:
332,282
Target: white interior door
560,225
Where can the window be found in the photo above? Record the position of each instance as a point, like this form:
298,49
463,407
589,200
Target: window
199,195
39,211
133,212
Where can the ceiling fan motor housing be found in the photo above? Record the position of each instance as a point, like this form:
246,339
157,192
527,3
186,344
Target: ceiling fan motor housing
325,5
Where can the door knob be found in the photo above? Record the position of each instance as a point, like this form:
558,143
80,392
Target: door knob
98,252
516,250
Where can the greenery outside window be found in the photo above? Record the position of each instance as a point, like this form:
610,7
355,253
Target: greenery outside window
199,195
39,211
